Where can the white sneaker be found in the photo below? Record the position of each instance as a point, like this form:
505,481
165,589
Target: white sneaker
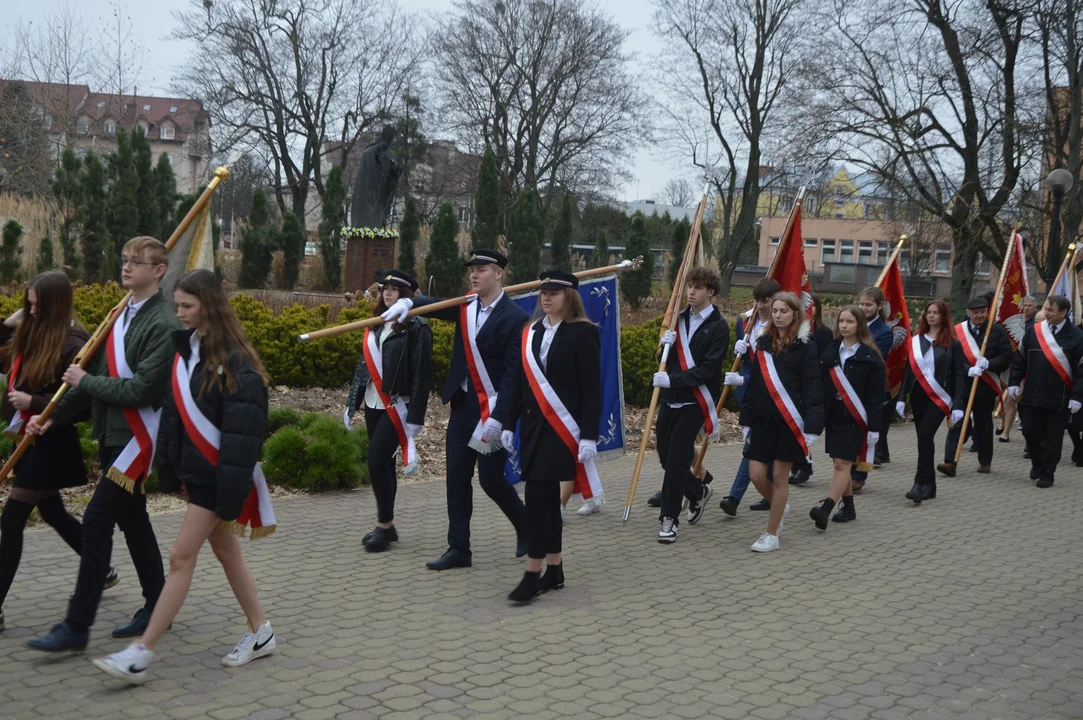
668,533
783,520
129,664
766,543
589,507
252,646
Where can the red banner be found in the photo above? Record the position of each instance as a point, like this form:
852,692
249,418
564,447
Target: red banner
789,269
1010,312
898,320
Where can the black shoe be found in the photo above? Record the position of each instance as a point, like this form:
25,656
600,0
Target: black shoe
928,491
707,477
764,504
553,579
877,462
380,539
368,536
527,589
521,546
111,578
134,627
801,475
452,558
729,506
1034,473
1026,453
655,500
821,513
916,493
1043,483
695,509
973,448
847,514
882,459
62,638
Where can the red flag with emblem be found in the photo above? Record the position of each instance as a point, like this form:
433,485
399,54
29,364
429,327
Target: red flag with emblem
789,270
1010,312
898,319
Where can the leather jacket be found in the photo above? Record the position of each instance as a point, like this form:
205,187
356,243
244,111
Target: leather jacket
407,371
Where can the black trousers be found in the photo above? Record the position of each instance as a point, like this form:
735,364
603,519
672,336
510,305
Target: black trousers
886,417
676,434
113,506
461,459
927,419
982,431
383,444
543,525
1075,432
1044,433
12,523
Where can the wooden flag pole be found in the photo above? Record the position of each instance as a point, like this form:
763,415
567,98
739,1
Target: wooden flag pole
894,254
1069,258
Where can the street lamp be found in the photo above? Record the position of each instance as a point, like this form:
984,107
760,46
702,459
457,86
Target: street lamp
1058,182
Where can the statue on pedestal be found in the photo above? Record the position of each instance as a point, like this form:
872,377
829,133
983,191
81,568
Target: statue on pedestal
376,182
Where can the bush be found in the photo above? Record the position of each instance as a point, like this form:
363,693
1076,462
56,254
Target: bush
281,417
317,453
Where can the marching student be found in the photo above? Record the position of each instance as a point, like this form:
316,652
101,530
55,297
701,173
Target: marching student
998,357
932,377
556,396
873,302
124,388
485,358
1007,420
690,388
783,409
823,336
393,379
853,379
1050,360
209,443
39,342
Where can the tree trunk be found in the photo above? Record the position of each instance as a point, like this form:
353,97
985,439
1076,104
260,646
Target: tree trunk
962,267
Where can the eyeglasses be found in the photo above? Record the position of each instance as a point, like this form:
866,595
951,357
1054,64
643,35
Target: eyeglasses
134,263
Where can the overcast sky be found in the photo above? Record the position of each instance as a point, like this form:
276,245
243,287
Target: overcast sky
152,23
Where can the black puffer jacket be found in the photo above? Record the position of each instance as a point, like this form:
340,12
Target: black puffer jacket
241,417
798,369
865,371
407,360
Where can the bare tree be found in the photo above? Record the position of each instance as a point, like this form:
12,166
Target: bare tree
679,192
26,165
120,66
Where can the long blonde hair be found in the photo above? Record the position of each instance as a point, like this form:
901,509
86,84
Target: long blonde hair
781,340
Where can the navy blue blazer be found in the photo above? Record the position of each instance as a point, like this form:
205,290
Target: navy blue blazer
498,342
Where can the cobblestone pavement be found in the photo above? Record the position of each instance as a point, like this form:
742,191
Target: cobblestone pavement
968,606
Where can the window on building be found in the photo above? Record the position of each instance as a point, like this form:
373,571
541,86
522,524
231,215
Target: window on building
883,252
827,251
846,251
101,105
172,108
83,127
868,210
146,108
840,216
983,265
166,132
110,127
775,240
864,252
942,259
811,242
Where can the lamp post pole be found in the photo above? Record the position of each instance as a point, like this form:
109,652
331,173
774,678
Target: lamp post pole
1059,182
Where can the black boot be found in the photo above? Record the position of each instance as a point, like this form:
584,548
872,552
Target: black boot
553,579
527,589
928,491
848,513
916,493
821,513
380,539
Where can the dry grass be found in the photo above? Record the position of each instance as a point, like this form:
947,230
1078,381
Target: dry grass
37,217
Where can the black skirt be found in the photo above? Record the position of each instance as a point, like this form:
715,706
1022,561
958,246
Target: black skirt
53,462
770,441
844,442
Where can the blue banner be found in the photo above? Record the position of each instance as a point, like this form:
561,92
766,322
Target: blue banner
601,303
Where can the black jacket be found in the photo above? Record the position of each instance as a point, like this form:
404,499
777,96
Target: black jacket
999,354
709,347
799,371
407,371
949,373
1044,387
823,336
498,342
865,371
40,397
574,369
241,416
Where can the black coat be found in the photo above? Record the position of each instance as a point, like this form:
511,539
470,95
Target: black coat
497,341
709,347
865,371
574,369
999,354
799,371
407,360
241,416
949,373
822,336
1044,388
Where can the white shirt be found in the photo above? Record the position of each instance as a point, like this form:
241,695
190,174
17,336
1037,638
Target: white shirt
132,309
845,353
695,320
1060,327
372,398
547,341
757,330
483,315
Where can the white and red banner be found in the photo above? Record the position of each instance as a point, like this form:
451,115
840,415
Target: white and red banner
853,403
134,462
1009,310
924,368
972,352
702,394
898,319
1053,352
396,411
587,481
17,427
479,376
781,398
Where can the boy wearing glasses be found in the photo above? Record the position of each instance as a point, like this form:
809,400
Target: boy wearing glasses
124,387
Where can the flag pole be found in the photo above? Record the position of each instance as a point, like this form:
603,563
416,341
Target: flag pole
1069,257
894,254
668,323
698,466
985,341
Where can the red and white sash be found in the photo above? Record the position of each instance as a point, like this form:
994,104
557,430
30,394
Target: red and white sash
556,414
782,399
853,402
396,411
924,369
1053,352
479,376
17,427
257,512
702,394
133,463
972,352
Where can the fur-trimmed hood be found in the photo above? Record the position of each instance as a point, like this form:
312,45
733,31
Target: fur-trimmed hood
804,334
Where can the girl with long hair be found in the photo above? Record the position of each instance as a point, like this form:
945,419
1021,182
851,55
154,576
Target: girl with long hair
853,382
782,414
209,442
822,335
393,379
39,341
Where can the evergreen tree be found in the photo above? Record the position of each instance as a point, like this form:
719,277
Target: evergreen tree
487,204
444,263
676,253
123,201
409,232
68,192
10,252
146,197
257,246
98,259
601,248
561,250
334,218
635,285
165,195
526,231
45,254
291,238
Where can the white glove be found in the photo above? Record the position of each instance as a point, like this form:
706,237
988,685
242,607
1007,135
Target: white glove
734,379
669,337
491,432
412,430
874,437
1014,392
347,419
1073,406
983,363
398,311
661,380
745,432
974,371
740,347
587,450
900,409
810,440
507,439
956,417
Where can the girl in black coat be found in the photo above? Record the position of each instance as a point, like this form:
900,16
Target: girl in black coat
562,363
218,393
854,355
405,351
788,344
